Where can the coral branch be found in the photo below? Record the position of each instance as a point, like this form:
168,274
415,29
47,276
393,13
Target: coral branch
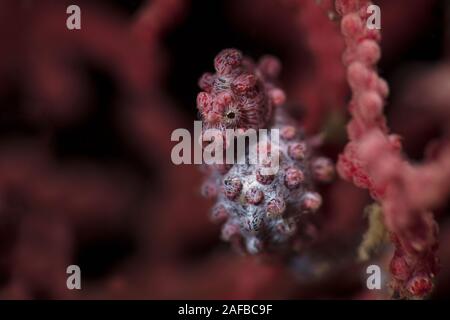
372,159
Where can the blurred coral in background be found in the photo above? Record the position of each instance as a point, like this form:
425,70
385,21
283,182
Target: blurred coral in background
85,172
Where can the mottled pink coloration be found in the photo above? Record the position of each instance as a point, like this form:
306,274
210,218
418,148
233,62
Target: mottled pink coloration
240,94
264,211
293,178
271,210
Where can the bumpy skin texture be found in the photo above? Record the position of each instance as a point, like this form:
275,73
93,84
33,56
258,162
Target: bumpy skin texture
262,213
240,94
373,159
265,213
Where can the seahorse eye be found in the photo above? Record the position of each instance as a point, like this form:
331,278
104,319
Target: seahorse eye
231,115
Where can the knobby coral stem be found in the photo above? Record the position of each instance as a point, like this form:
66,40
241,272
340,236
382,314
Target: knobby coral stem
372,159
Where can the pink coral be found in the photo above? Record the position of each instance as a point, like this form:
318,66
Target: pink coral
373,160
240,94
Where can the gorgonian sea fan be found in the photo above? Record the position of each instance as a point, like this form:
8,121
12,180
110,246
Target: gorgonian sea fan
262,212
373,160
